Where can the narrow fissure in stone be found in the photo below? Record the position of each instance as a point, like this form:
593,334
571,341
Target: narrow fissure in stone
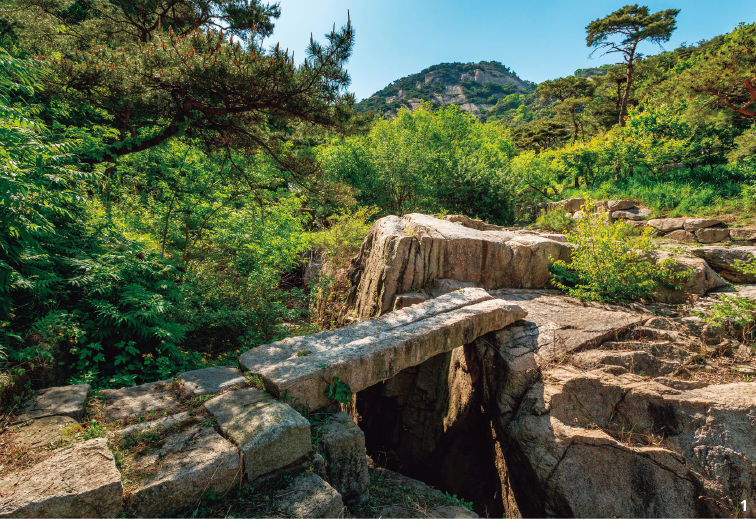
430,422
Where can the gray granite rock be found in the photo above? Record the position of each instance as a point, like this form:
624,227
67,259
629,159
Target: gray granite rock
572,205
269,433
211,380
131,402
192,463
693,224
35,434
723,260
58,401
364,354
631,214
313,462
743,233
619,205
441,287
665,225
310,496
344,446
82,481
409,299
163,423
712,235
683,236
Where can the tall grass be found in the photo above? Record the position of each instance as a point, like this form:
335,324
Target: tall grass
676,193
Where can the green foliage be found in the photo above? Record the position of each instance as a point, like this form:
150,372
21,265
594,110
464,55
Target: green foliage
339,391
453,500
556,220
610,264
345,233
428,161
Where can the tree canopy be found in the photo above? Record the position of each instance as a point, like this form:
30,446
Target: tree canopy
630,25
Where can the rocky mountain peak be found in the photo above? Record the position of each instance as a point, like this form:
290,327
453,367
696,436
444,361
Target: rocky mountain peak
475,87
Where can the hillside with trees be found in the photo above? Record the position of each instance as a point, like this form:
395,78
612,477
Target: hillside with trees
474,87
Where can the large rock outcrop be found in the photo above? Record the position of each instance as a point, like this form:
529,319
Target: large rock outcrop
400,255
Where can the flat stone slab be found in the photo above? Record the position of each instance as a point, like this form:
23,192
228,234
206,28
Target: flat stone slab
269,433
693,224
211,380
82,481
310,496
41,432
131,402
58,401
163,423
557,324
743,233
369,352
190,464
667,224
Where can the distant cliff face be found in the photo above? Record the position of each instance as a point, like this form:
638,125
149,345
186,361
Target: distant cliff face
475,87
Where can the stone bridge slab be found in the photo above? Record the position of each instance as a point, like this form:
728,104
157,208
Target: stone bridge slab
369,352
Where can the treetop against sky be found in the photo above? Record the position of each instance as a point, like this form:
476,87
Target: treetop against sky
539,40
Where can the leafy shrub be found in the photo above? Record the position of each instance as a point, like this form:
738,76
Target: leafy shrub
556,220
610,264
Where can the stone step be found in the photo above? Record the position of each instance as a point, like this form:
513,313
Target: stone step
638,362
82,481
364,354
131,402
663,350
57,401
269,433
211,380
187,466
310,496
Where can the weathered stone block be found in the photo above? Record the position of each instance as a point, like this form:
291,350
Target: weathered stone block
187,466
344,445
162,423
667,224
683,236
269,433
631,214
82,481
722,260
313,462
130,402
693,224
712,235
38,433
619,205
743,233
412,298
573,205
58,401
364,354
211,380
310,496
441,287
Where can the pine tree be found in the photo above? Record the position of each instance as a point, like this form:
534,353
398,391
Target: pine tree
632,24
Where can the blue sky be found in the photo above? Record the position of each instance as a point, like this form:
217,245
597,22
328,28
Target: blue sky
539,40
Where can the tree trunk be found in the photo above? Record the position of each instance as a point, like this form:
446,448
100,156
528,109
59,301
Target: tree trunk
575,128
628,82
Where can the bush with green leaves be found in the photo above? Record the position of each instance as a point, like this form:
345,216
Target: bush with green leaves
428,161
610,263
557,220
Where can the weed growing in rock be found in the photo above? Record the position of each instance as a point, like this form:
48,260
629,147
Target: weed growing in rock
339,391
556,220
